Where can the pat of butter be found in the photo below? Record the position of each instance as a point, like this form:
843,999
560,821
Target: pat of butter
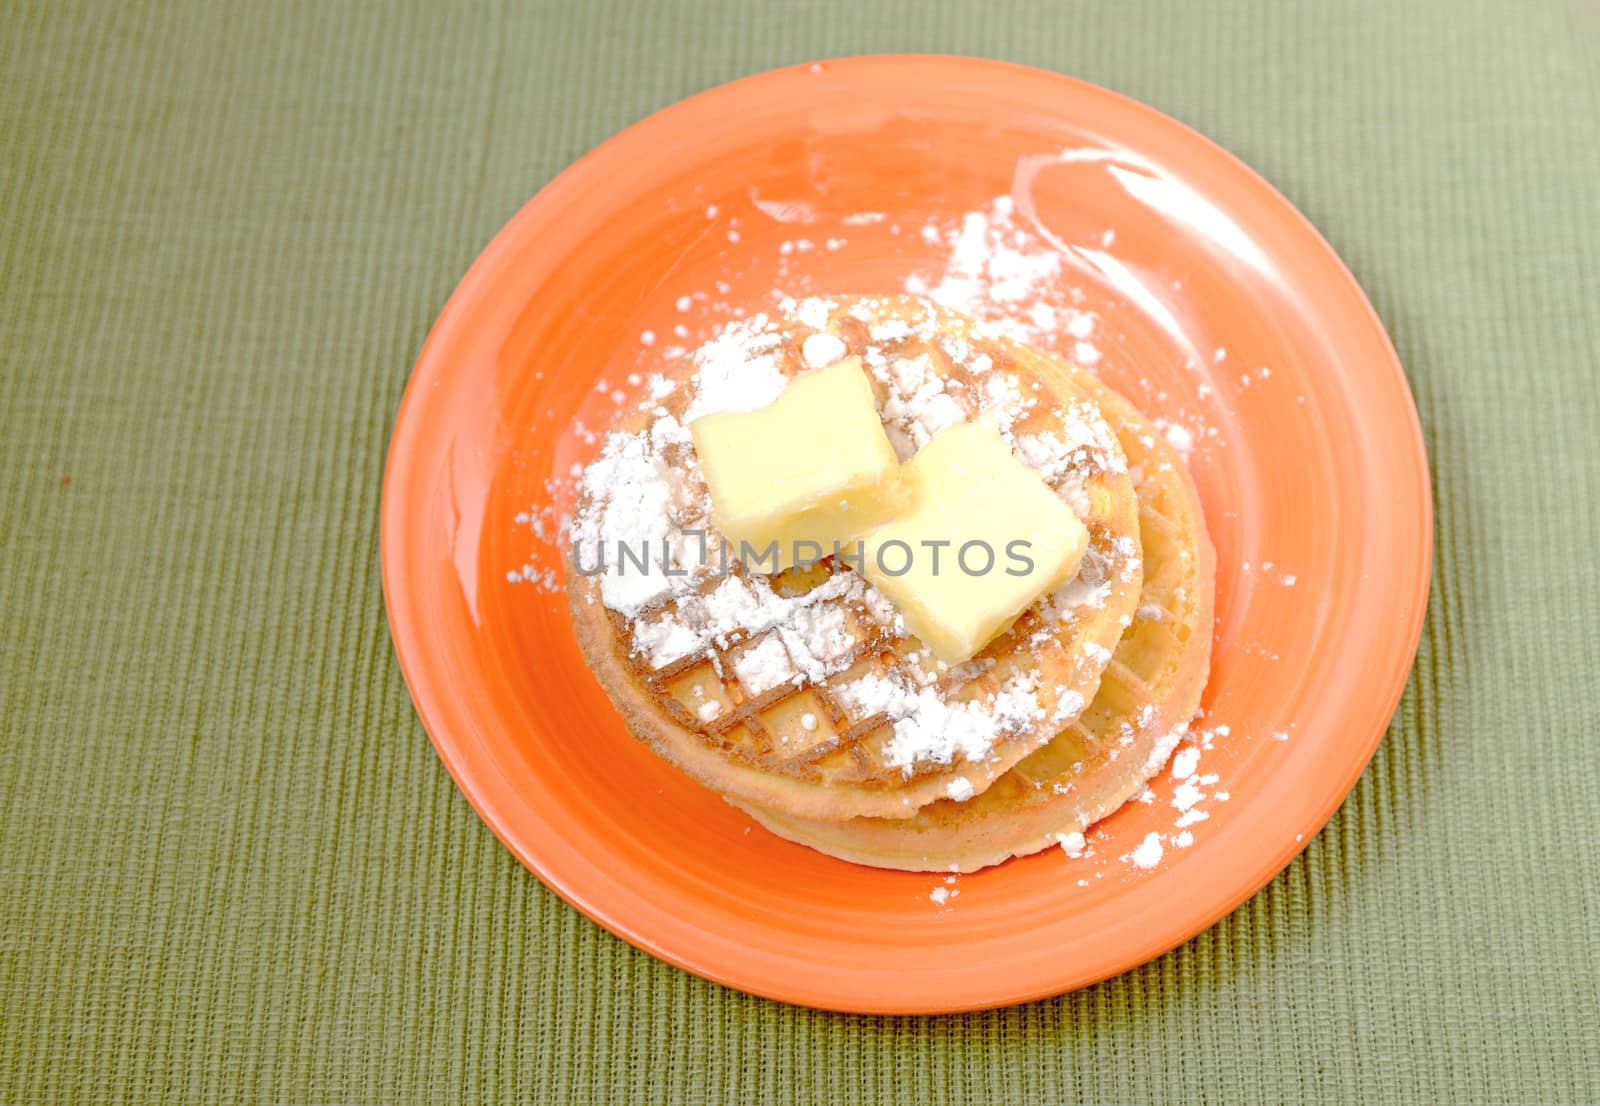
812,468
981,538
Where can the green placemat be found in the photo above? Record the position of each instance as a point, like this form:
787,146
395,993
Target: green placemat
232,868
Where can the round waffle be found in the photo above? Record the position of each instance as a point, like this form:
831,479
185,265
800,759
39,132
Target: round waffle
753,684
1148,694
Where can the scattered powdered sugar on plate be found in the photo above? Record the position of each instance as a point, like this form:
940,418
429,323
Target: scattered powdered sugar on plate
1147,854
1178,436
1185,763
1190,782
1191,788
547,530
999,269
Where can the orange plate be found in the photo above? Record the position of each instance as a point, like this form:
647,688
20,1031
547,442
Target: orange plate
1316,467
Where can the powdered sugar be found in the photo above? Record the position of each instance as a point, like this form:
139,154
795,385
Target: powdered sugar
918,406
633,493
1069,704
665,640
808,629
1193,789
738,370
999,269
1089,589
1180,438
764,666
1147,854
818,635
930,729
1185,763
822,350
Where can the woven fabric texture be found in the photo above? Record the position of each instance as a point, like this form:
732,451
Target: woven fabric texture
232,869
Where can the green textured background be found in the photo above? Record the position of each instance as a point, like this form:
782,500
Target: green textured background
232,868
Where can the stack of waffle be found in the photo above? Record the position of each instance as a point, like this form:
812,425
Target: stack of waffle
801,696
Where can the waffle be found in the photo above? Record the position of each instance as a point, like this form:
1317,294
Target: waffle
1147,696
699,665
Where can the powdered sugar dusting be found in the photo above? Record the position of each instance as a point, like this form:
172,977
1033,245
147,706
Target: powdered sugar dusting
765,666
930,729
636,510
1187,794
1000,269
822,350
1147,854
738,370
1179,437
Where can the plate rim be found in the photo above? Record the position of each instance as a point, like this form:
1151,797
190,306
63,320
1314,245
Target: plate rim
392,529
